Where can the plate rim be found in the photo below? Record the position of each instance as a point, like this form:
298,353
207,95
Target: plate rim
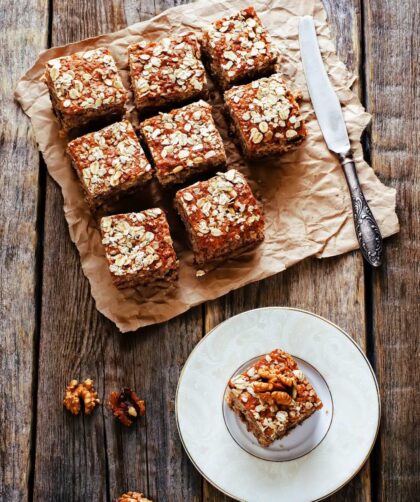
356,471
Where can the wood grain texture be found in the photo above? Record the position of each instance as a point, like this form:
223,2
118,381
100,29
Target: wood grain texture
96,458
333,288
25,29
392,75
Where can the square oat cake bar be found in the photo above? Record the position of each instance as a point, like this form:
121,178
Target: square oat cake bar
272,397
166,73
221,215
139,248
238,49
85,87
265,117
184,143
109,162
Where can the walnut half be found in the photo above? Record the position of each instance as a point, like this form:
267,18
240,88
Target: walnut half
77,392
280,389
133,497
126,406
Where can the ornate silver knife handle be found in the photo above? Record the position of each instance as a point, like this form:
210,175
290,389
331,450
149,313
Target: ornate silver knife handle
367,230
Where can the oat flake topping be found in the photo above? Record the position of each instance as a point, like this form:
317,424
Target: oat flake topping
221,207
170,67
266,111
137,242
109,158
86,81
186,137
239,43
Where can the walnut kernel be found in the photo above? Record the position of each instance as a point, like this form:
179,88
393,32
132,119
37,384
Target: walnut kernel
77,392
281,398
133,497
126,406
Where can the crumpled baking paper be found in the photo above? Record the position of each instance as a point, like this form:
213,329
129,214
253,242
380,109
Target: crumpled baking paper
306,201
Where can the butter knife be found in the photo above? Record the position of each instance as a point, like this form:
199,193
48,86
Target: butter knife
330,118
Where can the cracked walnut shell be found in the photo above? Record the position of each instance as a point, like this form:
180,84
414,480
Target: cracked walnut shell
77,392
133,497
126,406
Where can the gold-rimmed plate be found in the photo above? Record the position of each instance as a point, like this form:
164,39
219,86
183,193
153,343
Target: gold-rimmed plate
305,468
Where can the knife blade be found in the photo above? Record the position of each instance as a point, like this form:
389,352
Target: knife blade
331,122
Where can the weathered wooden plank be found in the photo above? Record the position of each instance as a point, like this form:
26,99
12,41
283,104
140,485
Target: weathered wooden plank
23,33
157,355
333,288
96,458
392,62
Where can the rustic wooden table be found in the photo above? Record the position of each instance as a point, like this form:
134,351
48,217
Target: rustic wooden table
52,332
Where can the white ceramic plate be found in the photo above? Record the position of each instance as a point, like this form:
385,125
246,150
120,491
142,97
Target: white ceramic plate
317,458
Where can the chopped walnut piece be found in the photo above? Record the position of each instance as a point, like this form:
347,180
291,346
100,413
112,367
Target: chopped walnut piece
133,497
282,398
262,386
77,392
287,381
126,406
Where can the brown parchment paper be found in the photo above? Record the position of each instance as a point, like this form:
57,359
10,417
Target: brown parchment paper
305,197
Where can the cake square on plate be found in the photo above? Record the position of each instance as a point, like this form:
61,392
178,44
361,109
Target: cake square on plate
165,73
238,49
139,248
221,215
85,87
272,397
109,162
184,143
265,116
